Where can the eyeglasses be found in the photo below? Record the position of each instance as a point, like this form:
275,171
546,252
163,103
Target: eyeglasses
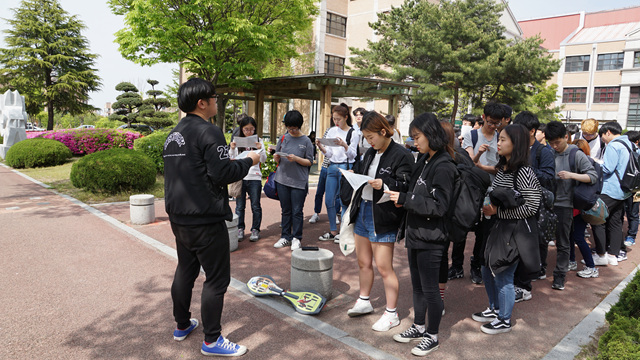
214,96
492,123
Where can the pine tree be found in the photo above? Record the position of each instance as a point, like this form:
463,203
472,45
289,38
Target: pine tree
47,60
127,105
151,112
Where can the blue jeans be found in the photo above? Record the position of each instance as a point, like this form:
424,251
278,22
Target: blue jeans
254,189
500,290
631,209
579,225
332,192
291,203
320,189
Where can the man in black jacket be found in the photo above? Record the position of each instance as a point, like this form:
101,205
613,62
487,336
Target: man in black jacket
197,170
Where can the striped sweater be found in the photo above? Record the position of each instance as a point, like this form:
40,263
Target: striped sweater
527,184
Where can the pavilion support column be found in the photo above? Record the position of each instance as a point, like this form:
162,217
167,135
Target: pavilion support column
273,127
325,115
393,106
260,112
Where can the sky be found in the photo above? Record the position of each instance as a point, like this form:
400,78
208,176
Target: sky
113,68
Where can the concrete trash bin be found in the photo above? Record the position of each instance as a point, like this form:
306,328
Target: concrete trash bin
232,228
142,209
312,270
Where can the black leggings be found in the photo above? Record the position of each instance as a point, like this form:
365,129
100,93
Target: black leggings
424,265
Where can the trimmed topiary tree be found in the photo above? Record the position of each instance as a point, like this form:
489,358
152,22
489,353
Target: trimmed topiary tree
37,152
152,145
112,171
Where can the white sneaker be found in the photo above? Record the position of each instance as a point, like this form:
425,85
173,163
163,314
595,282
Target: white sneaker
282,243
360,308
588,272
599,260
386,322
622,256
573,266
613,260
552,243
337,220
337,239
314,218
295,244
240,234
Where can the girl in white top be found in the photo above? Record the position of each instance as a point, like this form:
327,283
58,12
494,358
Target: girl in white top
341,156
252,183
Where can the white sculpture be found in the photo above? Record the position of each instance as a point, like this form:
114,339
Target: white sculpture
13,118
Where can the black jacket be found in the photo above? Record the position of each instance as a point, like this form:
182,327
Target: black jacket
197,170
394,169
428,202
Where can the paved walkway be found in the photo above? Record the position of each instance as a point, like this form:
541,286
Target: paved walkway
80,282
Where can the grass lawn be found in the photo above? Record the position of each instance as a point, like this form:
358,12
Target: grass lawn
58,178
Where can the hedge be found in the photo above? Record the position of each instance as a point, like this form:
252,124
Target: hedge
37,152
112,171
88,141
622,340
152,145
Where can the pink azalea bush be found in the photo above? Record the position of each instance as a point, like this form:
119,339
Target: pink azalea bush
88,141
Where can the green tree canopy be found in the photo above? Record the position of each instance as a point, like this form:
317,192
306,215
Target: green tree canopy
152,110
47,60
224,41
127,104
449,49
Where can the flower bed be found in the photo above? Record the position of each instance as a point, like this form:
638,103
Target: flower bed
88,141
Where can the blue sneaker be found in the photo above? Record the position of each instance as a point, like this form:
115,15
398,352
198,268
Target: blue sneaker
223,347
629,241
179,335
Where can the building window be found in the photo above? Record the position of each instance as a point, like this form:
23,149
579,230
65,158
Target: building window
609,94
574,95
633,119
333,65
577,63
336,25
636,59
610,61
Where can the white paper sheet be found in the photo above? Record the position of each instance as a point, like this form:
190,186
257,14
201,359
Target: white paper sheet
357,180
244,154
329,141
249,141
282,154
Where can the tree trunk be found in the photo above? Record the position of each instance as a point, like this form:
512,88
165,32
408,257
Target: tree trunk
456,98
222,104
47,84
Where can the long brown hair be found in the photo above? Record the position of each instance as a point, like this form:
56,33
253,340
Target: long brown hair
451,138
583,145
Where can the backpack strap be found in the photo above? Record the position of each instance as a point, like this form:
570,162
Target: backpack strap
474,138
538,152
572,159
348,139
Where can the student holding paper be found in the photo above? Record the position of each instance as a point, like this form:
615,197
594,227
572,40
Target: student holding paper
376,224
341,156
252,183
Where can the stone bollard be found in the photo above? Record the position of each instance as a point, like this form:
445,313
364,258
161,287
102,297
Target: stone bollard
142,209
232,227
312,271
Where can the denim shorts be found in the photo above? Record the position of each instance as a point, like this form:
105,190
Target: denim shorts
365,227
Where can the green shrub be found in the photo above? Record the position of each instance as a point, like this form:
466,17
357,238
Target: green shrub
37,152
152,145
106,123
621,341
629,303
115,170
1,140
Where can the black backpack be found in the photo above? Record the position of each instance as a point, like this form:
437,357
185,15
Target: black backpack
469,194
630,181
585,195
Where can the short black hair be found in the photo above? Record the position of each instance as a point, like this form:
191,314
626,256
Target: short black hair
192,91
507,111
554,130
470,118
494,110
572,128
428,124
293,118
633,136
527,119
612,126
390,119
360,110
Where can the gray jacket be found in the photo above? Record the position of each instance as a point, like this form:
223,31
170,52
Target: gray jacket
564,193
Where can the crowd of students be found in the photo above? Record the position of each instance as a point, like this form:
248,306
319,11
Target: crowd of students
544,182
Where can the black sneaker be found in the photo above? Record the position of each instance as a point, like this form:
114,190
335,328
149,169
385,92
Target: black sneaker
455,273
541,275
427,345
558,283
522,294
497,326
411,334
476,276
485,316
